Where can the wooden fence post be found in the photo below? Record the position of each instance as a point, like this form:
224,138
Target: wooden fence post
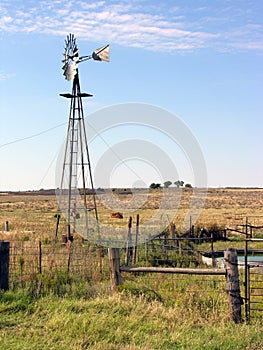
40,256
129,250
4,265
232,285
136,238
174,235
114,264
57,225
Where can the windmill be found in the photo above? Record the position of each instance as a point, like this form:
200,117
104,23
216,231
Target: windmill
76,194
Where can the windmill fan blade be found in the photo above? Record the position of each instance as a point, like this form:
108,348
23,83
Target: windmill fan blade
70,71
65,65
102,54
76,52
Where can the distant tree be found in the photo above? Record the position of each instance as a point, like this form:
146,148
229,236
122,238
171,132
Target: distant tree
154,185
188,186
179,183
99,189
167,183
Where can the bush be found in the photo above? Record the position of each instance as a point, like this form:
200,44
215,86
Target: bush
188,186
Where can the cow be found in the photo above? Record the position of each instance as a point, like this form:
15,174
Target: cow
116,215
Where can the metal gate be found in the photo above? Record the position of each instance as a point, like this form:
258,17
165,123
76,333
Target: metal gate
253,281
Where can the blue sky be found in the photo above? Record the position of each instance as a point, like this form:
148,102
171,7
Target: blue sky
201,60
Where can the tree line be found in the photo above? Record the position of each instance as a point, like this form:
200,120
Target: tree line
168,183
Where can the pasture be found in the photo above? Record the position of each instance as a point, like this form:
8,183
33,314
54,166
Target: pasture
31,214
60,309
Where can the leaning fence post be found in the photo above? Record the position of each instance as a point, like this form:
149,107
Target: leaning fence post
232,285
4,265
114,265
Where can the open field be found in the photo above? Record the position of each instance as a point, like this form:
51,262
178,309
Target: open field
32,215
57,310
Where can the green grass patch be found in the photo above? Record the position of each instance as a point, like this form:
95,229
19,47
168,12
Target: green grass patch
134,318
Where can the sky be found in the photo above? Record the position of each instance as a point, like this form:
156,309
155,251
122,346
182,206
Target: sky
199,60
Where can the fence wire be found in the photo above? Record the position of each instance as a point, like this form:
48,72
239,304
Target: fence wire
27,259
89,261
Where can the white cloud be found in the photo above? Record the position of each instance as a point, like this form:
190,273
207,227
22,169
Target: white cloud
6,76
130,25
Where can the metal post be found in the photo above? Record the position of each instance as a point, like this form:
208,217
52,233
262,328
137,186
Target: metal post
248,294
246,281
212,249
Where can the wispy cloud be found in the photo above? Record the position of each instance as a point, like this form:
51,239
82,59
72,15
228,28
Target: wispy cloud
131,24
5,76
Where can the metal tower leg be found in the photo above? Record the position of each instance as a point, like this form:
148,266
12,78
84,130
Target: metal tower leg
76,164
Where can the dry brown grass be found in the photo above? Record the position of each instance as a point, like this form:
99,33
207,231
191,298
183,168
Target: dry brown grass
32,216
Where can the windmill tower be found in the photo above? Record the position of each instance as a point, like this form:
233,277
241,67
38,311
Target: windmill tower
76,194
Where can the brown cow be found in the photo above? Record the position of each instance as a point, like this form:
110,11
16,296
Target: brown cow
116,215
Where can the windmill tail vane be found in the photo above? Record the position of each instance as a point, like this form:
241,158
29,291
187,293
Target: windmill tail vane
102,54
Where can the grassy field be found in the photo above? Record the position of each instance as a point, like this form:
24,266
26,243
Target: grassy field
147,312
32,215
119,321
